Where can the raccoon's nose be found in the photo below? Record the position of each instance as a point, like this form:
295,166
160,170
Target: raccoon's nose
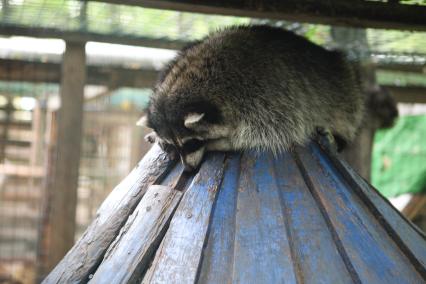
188,168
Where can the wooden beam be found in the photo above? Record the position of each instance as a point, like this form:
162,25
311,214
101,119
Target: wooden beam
372,14
77,36
17,143
113,76
401,67
408,94
63,190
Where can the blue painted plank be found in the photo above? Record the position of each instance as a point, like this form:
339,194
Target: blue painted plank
218,257
368,252
411,238
262,253
179,256
314,251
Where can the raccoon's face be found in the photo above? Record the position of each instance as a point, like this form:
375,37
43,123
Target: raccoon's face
185,132
189,144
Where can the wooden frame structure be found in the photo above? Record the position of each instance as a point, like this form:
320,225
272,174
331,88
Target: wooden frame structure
301,216
116,76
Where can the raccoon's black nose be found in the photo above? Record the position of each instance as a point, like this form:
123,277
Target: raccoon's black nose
192,146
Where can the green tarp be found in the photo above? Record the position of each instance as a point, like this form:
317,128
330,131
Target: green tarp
399,157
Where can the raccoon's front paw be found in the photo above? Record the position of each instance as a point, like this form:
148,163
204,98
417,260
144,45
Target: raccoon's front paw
151,137
169,149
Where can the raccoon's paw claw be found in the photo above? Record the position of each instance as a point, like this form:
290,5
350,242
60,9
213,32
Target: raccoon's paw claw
151,137
169,149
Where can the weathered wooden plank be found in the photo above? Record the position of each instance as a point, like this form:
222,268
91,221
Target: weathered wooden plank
131,251
369,253
87,253
262,252
179,256
310,239
410,239
219,253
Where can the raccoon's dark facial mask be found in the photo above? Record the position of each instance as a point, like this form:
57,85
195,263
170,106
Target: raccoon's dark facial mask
189,146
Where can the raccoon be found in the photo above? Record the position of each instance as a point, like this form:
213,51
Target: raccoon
252,87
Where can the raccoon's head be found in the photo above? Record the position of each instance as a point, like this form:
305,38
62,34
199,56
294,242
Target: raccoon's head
182,125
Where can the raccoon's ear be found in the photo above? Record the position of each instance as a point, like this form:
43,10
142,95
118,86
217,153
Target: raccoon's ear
143,121
192,119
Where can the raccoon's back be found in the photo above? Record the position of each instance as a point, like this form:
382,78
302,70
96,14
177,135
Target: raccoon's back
272,86
280,87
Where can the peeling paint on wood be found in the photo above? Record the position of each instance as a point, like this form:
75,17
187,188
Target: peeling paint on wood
87,253
179,255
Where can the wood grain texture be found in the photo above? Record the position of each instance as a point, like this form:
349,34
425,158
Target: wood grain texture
179,255
218,257
87,253
410,239
310,238
262,252
130,253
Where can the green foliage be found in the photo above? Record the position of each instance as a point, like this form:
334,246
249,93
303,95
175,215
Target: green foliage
413,2
399,157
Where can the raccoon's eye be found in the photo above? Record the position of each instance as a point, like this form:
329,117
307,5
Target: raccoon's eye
192,145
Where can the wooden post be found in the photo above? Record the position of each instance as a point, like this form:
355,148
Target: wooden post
62,177
355,42
8,109
380,106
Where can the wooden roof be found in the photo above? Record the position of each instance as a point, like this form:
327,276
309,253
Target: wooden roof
303,216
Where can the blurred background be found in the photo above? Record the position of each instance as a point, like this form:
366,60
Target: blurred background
76,75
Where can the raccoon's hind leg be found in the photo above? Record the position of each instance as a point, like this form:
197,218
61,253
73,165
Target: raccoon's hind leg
151,137
339,141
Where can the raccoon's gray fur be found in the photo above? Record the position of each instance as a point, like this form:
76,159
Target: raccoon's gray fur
252,87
